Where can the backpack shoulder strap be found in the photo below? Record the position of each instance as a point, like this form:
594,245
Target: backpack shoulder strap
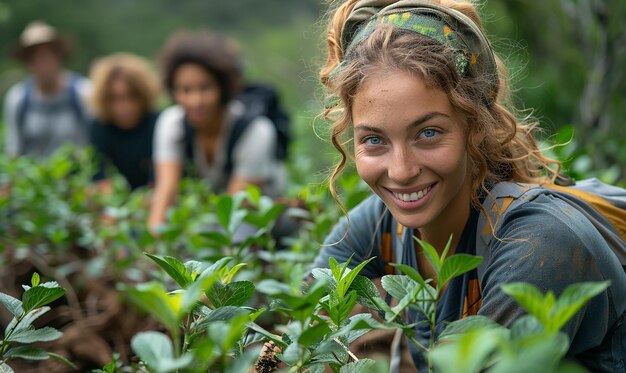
29,87
237,130
503,197
388,234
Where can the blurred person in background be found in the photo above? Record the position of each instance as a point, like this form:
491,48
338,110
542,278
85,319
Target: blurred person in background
47,109
125,89
210,130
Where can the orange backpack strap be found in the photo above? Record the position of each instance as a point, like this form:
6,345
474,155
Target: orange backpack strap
389,225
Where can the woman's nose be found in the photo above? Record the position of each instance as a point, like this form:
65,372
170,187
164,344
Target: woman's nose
403,166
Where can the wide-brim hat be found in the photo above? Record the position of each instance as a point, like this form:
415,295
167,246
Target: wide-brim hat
40,33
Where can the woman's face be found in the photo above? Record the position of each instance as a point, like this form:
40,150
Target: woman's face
410,149
124,106
198,92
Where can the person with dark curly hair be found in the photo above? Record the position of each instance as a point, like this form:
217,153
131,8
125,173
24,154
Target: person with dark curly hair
202,73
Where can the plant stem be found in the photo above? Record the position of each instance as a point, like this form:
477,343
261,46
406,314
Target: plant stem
415,342
353,356
176,337
5,343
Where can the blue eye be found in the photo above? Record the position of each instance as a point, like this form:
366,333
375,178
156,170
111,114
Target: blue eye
373,140
429,133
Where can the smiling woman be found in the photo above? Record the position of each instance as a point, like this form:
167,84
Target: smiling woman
426,102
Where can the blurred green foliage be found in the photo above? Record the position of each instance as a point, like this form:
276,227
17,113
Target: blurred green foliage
565,57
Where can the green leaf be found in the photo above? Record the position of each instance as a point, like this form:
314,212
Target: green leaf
455,266
26,352
227,334
12,304
233,271
224,211
272,337
345,307
35,335
398,286
572,300
157,351
335,268
221,314
325,275
368,295
34,281
191,295
346,281
174,268
4,368
218,238
431,254
64,360
526,326
38,296
469,352
254,194
314,334
236,293
361,366
530,298
469,324
411,272
541,352
245,361
28,319
154,299
236,219
444,255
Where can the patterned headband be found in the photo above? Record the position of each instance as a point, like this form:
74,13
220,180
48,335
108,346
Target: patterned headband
446,26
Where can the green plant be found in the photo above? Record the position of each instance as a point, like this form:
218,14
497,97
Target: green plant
533,342
20,333
202,332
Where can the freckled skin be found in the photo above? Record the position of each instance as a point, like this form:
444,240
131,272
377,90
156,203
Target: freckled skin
391,149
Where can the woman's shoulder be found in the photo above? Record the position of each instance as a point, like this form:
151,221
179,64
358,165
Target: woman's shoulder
173,115
170,121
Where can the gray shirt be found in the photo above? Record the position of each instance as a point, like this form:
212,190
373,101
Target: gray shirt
49,121
254,154
544,242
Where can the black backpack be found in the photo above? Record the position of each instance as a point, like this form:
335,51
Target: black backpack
258,100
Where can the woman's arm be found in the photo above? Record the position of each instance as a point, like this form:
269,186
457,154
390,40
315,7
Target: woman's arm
168,158
12,102
167,177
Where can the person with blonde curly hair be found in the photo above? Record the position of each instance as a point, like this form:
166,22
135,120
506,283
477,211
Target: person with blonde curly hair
125,90
423,109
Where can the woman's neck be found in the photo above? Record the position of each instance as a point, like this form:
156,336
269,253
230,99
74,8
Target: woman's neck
451,221
212,126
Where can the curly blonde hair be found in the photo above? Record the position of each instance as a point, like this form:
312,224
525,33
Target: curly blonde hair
134,70
506,149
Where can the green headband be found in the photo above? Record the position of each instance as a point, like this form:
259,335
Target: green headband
446,26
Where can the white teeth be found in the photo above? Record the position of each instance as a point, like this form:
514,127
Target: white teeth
413,196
